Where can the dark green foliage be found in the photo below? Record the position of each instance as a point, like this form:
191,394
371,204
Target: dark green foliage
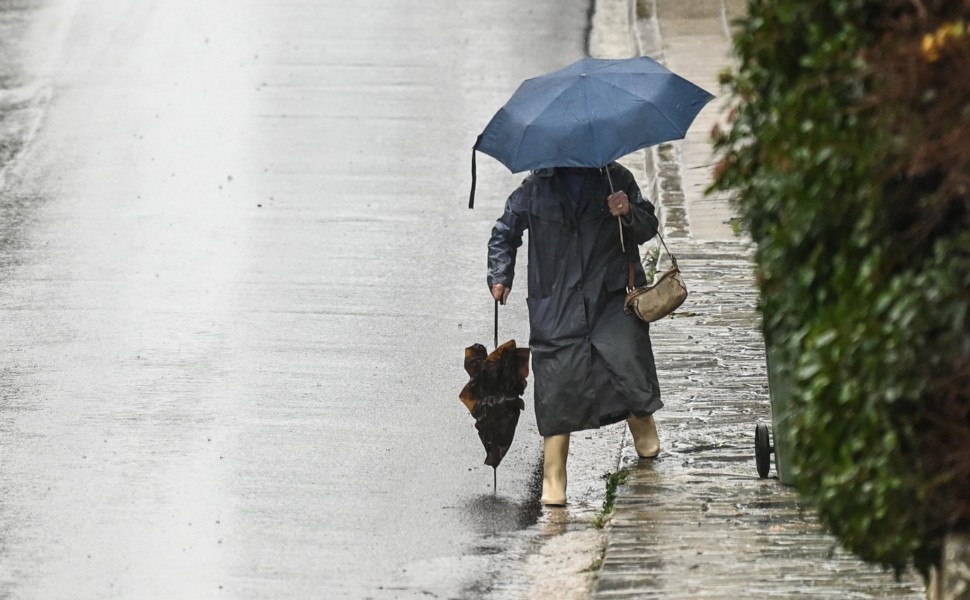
859,206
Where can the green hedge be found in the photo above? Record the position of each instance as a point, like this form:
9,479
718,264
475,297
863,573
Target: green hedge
860,219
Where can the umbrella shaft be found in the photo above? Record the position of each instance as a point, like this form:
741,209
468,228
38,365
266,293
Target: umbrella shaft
619,221
496,324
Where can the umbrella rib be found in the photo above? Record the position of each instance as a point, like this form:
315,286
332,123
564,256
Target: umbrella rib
639,97
539,112
589,122
518,150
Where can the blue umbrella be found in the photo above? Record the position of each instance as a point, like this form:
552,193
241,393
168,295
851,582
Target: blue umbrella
589,114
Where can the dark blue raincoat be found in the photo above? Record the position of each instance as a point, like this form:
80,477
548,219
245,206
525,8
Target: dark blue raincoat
593,363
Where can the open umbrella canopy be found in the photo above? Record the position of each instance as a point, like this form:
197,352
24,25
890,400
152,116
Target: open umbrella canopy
589,114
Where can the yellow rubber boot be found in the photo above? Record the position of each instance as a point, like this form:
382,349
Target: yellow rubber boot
645,437
555,451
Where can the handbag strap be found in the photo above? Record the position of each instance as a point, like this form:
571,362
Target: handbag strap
631,285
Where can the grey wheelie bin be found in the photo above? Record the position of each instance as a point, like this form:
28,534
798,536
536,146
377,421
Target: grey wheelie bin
779,389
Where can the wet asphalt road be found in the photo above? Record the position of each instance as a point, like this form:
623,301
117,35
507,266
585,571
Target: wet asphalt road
237,275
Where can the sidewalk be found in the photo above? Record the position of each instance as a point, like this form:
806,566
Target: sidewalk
698,522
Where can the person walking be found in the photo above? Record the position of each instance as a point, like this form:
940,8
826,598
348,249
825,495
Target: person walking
593,363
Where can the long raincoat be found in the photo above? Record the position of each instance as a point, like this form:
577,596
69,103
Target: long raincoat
593,363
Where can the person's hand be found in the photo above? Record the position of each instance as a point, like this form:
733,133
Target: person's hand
619,204
500,292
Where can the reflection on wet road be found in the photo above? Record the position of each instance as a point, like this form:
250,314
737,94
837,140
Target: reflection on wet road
236,280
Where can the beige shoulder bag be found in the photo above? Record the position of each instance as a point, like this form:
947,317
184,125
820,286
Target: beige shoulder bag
653,302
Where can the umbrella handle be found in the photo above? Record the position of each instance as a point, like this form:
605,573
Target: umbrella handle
619,220
496,324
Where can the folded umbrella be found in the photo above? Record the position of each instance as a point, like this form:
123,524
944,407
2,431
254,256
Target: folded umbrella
493,395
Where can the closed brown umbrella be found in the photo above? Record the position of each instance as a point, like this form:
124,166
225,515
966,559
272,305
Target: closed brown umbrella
493,395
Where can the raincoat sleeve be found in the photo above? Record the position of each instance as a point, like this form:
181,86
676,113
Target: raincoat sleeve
641,224
506,239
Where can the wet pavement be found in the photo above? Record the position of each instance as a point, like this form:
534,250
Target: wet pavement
698,522
237,275
236,278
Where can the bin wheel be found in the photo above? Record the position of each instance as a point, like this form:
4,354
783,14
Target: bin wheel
762,450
